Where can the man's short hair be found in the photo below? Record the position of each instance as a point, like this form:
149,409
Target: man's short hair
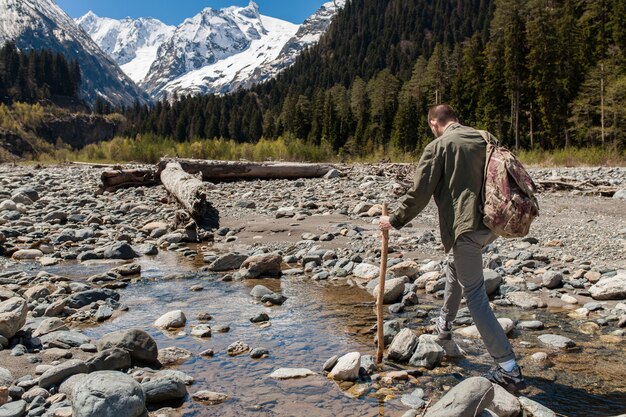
443,113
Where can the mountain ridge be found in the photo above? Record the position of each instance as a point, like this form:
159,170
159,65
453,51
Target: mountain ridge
42,24
214,51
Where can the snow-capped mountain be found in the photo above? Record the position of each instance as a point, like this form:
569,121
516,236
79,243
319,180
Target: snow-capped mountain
215,51
308,34
43,24
132,43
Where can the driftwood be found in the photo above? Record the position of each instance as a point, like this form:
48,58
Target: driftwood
236,170
569,184
191,192
116,179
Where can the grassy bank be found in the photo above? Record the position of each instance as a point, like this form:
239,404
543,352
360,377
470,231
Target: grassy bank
148,149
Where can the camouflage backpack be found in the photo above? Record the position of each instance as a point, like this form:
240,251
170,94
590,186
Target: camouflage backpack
509,202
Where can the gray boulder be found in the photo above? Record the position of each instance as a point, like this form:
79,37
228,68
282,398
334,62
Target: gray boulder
70,338
13,409
108,394
113,359
140,345
171,320
504,404
610,288
552,279
535,409
161,390
6,378
12,316
260,290
83,298
556,341
467,399
428,353
394,288
50,325
265,265
492,281
347,367
59,373
228,262
403,346
120,250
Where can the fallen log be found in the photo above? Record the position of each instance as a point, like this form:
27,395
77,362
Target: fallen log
123,178
192,194
212,170
585,187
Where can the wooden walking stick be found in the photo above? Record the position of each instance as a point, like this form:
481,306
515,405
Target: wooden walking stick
381,292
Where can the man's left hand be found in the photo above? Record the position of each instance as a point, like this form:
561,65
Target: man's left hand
383,223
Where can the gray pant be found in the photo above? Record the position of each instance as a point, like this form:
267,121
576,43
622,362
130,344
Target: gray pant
464,277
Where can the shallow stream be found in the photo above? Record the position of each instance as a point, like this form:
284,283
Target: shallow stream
322,319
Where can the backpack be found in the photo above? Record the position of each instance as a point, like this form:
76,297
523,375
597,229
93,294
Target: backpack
509,202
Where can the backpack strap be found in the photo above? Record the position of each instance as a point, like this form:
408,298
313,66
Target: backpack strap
491,146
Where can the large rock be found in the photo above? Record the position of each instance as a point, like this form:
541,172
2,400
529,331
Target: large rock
27,254
492,281
113,359
504,404
6,378
472,331
67,387
209,397
403,346
70,338
140,345
50,325
265,265
12,316
556,341
171,320
610,288
37,291
525,300
108,394
552,279
467,399
291,373
347,367
83,298
228,262
366,272
119,250
394,288
59,373
405,269
428,353
161,390
260,290
13,409
535,409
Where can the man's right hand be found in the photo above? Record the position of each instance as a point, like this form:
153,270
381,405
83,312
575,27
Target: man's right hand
383,223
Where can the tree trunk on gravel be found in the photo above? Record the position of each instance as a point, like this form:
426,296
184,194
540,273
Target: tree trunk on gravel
192,194
236,170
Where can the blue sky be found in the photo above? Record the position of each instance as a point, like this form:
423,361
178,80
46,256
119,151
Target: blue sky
174,12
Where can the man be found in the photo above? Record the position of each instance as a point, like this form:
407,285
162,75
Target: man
452,170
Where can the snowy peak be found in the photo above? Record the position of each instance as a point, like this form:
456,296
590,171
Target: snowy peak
204,39
132,43
37,24
215,51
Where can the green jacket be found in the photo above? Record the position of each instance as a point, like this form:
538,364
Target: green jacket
451,169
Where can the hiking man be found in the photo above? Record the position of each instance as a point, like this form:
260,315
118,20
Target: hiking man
452,170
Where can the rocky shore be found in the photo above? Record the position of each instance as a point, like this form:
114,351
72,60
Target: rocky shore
559,293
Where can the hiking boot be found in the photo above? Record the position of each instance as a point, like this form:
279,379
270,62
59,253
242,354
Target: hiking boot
511,381
443,329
